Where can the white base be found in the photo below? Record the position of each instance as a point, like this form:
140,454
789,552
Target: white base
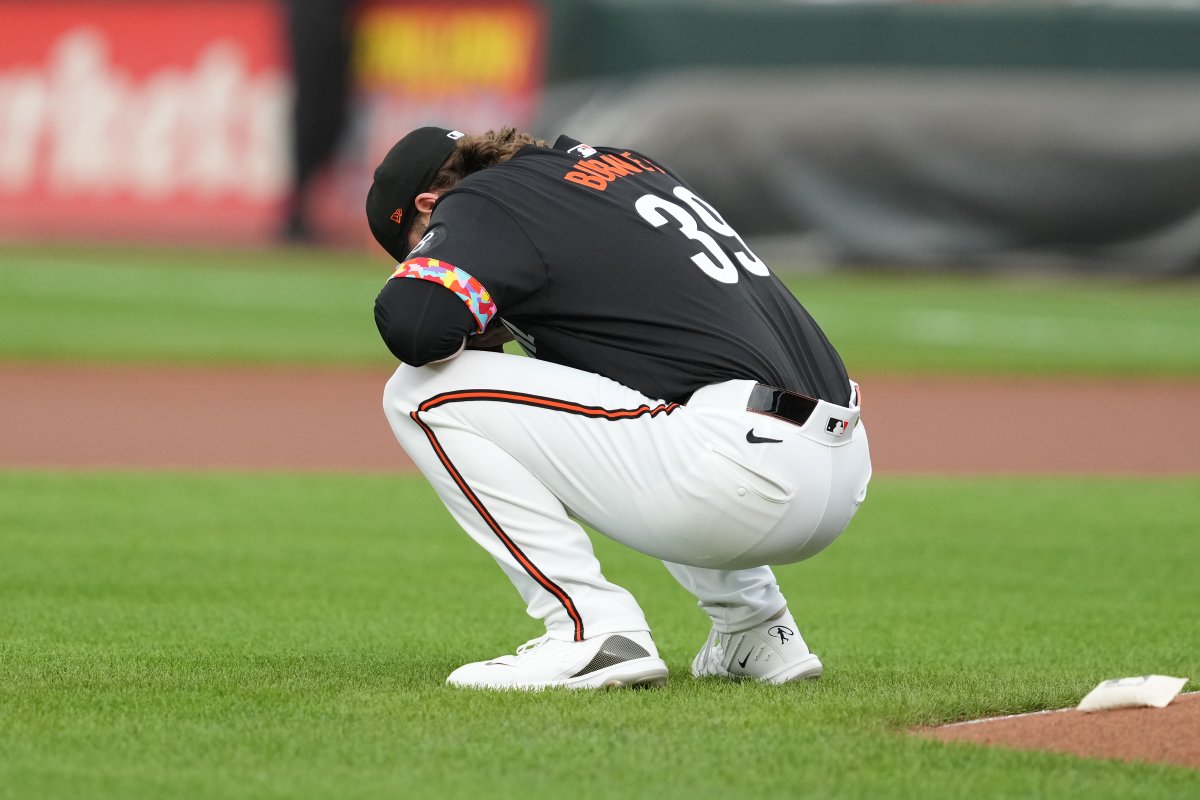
1155,691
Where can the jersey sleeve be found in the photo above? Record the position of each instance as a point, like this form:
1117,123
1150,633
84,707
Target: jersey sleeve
473,262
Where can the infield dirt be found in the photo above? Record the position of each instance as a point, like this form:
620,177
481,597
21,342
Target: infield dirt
113,417
1162,735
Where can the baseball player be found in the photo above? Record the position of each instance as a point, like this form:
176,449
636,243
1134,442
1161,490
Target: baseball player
677,398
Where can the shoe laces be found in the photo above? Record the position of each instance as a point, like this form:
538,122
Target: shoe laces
715,651
533,644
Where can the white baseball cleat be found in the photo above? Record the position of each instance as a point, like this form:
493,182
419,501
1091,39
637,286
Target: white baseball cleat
608,661
772,652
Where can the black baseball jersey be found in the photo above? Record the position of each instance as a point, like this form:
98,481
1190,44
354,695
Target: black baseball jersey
604,260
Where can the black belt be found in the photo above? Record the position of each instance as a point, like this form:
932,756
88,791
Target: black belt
780,403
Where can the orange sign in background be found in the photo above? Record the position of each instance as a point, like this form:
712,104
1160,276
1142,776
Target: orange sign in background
142,119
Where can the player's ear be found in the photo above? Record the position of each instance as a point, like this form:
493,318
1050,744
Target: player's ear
425,200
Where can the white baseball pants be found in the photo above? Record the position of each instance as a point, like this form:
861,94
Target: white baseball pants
519,449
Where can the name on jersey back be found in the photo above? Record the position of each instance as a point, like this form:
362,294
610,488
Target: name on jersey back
597,173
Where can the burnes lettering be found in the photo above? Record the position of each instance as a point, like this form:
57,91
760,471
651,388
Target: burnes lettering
597,173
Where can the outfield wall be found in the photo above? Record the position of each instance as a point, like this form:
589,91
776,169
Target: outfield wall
626,38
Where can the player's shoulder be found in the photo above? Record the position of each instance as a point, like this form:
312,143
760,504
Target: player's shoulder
495,182
524,176
530,158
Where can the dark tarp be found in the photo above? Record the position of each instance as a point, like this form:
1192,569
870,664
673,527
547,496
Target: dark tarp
1097,171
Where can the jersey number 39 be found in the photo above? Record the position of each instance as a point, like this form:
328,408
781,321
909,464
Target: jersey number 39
715,262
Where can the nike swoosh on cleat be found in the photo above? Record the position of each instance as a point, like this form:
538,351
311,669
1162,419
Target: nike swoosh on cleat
742,663
752,439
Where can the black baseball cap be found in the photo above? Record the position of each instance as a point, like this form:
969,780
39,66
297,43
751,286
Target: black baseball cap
405,172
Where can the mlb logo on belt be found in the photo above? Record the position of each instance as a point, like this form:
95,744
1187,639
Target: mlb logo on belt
835,426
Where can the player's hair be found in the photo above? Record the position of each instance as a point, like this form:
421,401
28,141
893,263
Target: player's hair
479,151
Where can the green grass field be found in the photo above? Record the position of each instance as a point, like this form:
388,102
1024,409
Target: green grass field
272,635
310,307
280,636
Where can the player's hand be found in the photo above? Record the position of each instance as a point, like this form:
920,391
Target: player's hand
495,336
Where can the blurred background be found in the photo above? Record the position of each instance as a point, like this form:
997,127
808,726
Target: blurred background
1058,136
